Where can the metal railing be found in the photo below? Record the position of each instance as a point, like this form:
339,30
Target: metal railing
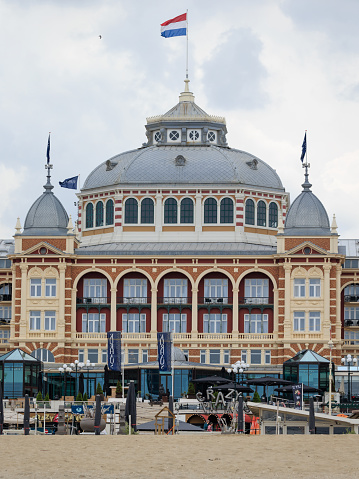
256,300
5,297
351,299
207,300
93,300
351,322
174,300
133,300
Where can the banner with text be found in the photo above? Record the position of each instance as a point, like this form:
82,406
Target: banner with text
298,396
164,351
114,350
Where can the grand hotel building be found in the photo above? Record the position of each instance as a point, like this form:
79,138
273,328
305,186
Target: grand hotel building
183,234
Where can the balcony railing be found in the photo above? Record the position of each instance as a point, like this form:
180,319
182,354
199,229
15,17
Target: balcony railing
92,300
5,320
351,322
255,300
132,300
351,299
208,300
172,300
219,336
255,336
135,336
351,342
5,297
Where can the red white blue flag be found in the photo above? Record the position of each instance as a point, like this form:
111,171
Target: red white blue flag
175,27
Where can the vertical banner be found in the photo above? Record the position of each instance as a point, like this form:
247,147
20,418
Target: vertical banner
164,351
297,396
114,350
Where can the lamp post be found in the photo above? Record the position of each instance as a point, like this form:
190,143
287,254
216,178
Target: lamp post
349,359
330,345
238,367
77,366
65,369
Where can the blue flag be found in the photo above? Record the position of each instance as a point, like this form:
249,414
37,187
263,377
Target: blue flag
164,345
48,150
114,350
69,183
304,147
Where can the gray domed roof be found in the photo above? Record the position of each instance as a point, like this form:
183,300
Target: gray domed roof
307,215
200,165
46,216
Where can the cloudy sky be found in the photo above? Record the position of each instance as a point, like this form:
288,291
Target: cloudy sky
273,68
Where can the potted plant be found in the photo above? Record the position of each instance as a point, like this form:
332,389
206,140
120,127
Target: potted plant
85,398
256,397
99,391
47,400
118,390
79,397
191,393
39,399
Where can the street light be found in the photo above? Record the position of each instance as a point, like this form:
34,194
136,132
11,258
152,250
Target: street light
65,369
331,346
77,366
349,359
238,367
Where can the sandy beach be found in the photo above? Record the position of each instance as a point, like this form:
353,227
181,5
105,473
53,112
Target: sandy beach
186,456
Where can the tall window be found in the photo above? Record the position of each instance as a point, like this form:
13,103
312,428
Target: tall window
267,356
299,288
202,356
256,290
256,356
43,355
256,323
214,323
176,323
131,211
133,356
273,215
314,321
5,313
134,323
93,323
210,210
351,292
249,212
92,355
50,321
147,211
175,290
89,215
226,210
135,289
35,320
35,287
99,213
216,289
351,313
109,212
261,213
299,321
96,290
215,356
170,215
314,288
50,287
186,210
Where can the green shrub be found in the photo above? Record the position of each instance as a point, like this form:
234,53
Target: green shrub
118,389
191,389
79,397
47,397
39,396
85,397
99,389
256,397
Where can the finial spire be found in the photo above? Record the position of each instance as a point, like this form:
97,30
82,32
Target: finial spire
334,226
306,185
48,187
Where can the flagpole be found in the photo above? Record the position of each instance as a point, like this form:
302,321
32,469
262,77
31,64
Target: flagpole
79,188
187,45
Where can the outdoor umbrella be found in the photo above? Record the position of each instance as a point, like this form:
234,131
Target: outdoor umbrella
106,380
81,383
130,409
268,381
240,427
27,415
235,386
311,416
212,380
306,389
98,415
1,410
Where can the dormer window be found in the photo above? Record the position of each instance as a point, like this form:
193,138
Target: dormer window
157,136
173,135
193,135
211,136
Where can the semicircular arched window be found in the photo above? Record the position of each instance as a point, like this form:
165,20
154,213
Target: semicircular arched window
89,215
109,212
210,210
131,211
170,215
261,213
147,211
99,213
44,355
187,210
226,210
249,212
273,215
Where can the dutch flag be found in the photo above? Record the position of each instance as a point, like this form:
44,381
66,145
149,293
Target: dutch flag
175,27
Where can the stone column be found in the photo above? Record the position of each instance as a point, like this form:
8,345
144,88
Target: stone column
158,213
194,311
326,301
198,213
275,314
235,317
288,328
153,311
113,325
23,318
338,322
61,320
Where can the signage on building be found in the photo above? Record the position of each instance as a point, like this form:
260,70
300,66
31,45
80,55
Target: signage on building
114,350
298,396
164,351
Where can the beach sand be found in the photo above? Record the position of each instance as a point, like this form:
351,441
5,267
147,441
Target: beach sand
182,456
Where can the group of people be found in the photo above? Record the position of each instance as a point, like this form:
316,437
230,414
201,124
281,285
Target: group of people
208,426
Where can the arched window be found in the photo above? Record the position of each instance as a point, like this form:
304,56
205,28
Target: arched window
186,210
89,215
43,355
147,211
261,213
170,210
210,210
273,215
109,212
99,213
226,210
249,212
131,211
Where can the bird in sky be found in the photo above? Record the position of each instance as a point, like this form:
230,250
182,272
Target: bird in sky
100,36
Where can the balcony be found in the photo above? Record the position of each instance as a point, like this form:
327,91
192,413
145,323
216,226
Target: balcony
208,300
351,299
351,322
92,300
132,300
103,336
5,297
215,336
255,336
256,300
174,301
5,320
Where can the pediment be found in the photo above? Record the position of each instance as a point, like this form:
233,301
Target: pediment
36,250
312,249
